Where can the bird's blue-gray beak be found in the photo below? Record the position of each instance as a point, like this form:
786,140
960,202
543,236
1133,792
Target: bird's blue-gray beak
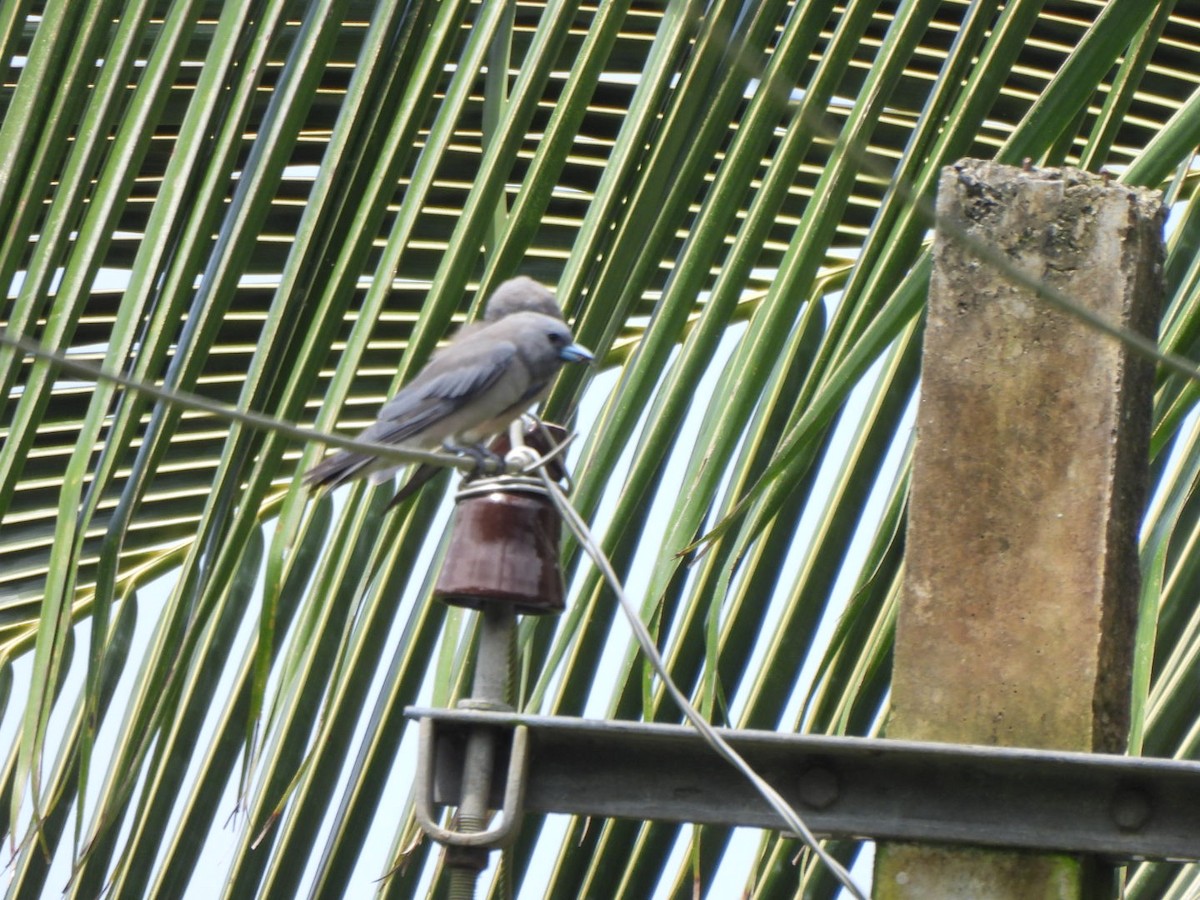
575,353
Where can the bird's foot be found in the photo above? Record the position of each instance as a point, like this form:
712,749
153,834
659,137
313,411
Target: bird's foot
486,462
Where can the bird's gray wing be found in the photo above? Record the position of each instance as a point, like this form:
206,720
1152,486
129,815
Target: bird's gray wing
456,377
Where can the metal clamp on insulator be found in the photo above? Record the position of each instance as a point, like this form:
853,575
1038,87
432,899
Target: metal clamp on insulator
509,484
512,807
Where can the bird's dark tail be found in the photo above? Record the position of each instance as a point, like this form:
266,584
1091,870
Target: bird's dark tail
419,478
335,470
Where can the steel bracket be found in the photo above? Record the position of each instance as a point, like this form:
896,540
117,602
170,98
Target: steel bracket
1114,806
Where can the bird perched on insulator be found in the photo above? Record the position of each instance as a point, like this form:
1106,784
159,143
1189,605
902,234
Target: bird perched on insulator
485,377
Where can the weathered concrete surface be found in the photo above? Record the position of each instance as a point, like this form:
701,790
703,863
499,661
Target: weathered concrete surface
938,873
1017,613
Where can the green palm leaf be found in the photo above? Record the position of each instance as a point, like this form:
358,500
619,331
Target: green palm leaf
285,204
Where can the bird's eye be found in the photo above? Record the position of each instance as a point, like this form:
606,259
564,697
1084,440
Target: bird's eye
557,338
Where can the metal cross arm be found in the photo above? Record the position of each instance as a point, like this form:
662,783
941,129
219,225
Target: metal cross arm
1115,806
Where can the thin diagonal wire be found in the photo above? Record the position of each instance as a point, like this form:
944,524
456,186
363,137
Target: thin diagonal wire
189,400
818,122
1056,298
789,816
1139,343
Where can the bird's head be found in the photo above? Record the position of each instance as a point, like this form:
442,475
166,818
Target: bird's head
568,350
520,294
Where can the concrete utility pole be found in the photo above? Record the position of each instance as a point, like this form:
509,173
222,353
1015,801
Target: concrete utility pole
1017,616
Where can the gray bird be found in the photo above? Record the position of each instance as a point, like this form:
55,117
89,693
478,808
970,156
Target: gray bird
483,379
520,294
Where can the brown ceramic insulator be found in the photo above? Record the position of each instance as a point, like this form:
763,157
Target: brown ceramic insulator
504,545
